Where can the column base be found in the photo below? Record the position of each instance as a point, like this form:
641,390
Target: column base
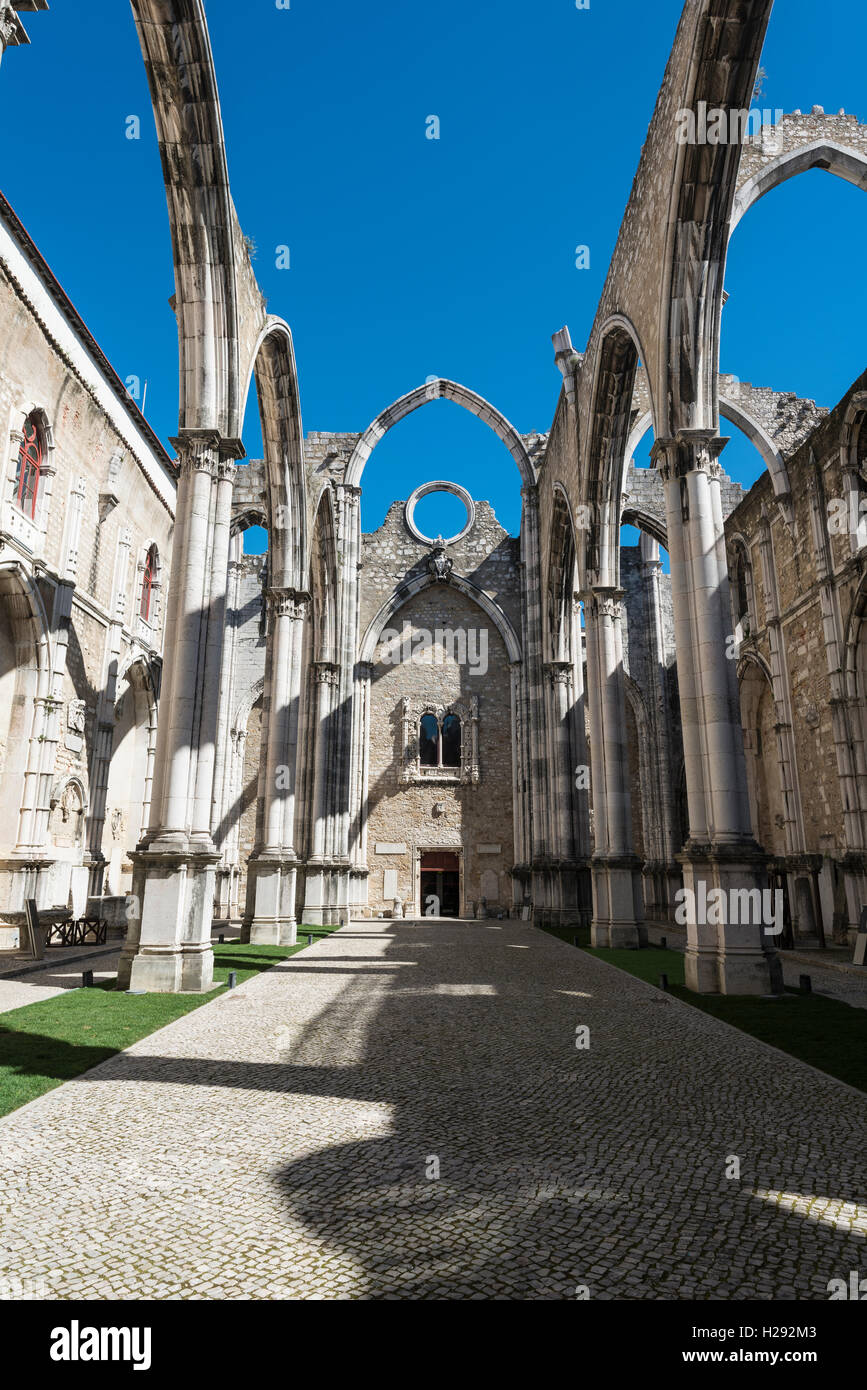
731,921
327,901
270,916
618,905
170,911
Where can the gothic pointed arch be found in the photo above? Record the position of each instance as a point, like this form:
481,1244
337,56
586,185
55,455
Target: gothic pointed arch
719,43
323,580
276,375
611,405
562,580
404,592
829,152
440,389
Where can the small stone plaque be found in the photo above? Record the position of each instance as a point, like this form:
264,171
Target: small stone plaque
386,847
489,849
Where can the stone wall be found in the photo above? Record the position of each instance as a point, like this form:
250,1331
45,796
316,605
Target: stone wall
435,814
71,574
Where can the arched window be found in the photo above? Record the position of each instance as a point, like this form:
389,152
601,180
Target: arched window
147,583
428,741
451,741
30,456
439,745
743,600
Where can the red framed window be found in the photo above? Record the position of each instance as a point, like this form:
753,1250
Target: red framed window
29,467
147,584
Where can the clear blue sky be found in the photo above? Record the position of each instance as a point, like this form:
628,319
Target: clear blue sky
412,257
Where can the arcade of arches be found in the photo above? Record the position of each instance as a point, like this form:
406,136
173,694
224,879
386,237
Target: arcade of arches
357,725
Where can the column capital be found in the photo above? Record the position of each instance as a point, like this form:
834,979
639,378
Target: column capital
559,672
603,601
326,672
207,451
689,451
287,603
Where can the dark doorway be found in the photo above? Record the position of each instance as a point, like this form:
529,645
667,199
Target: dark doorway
441,879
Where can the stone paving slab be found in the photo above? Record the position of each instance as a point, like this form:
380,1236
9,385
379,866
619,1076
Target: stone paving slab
282,1141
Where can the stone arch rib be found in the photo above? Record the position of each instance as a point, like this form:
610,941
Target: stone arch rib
613,386
276,375
210,258
440,389
830,155
404,592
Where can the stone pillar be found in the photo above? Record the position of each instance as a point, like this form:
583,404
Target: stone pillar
666,870
618,911
721,856
560,790
169,947
272,868
318,898
348,541
103,740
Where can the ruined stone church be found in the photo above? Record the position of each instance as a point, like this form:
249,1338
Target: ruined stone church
547,726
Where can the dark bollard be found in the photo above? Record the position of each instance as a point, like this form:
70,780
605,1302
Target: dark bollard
233,978
221,938
574,941
87,979
663,982
663,943
806,984
310,938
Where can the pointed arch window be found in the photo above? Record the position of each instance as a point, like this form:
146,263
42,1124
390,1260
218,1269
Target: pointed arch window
147,584
31,455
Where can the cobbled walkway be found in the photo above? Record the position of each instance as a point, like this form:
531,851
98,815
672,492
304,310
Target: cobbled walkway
283,1141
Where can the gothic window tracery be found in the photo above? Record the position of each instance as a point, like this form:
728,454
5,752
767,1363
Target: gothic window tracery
147,584
31,454
440,742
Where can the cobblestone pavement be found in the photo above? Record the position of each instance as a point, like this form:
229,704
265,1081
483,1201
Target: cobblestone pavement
849,986
282,1141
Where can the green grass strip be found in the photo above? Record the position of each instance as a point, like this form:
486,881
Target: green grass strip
45,1044
825,1032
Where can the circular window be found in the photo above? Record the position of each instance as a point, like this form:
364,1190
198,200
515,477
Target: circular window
440,486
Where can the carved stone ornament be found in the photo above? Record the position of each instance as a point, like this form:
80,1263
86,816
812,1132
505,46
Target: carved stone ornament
438,562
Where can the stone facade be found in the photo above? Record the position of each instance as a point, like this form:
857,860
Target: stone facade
80,643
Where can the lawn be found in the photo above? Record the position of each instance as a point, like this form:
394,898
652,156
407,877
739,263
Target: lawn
825,1032
44,1044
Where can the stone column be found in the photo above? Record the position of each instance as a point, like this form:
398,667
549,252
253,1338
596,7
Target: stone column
103,739
666,871
169,947
348,540
318,905
538,820
272,868
618,911
561,790
721,856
